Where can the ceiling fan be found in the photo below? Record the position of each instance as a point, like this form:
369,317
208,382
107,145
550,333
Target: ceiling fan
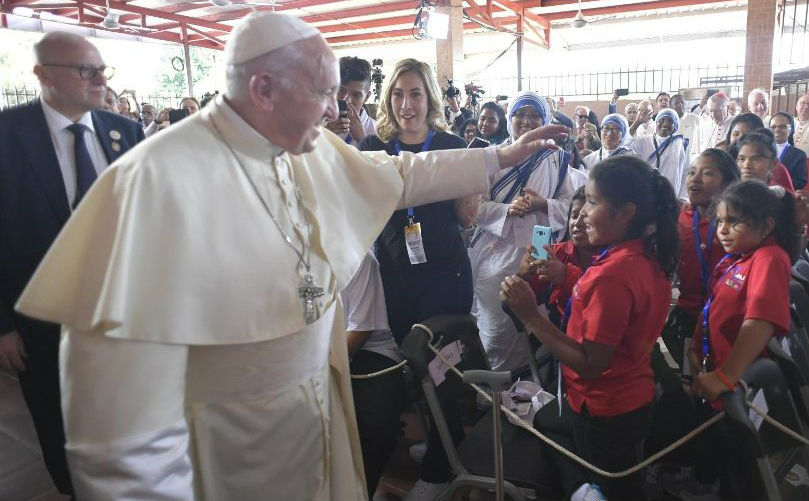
579,21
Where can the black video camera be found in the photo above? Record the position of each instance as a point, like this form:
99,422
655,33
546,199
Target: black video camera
451,90
377,77
474,92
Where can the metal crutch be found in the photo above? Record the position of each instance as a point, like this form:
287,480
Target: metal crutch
496,382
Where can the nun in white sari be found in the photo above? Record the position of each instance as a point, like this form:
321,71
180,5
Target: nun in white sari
614,134
535,192
666,151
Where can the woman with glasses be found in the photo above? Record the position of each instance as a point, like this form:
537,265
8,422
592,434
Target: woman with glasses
614,131
537,192
782,126
666,151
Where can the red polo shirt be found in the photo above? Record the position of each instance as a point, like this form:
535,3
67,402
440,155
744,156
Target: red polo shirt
622,301
691,297
754,286
566,253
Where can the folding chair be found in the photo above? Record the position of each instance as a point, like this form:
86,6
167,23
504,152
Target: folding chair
524,463
765,442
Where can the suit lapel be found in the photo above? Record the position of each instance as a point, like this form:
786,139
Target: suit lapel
102,130
36,140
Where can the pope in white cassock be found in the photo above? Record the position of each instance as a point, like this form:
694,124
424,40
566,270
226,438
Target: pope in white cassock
203,352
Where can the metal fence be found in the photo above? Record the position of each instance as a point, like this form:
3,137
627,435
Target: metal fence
20,95
647,81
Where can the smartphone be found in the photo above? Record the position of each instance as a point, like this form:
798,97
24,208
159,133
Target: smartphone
622,92
478,143
177,115
342,106
542,237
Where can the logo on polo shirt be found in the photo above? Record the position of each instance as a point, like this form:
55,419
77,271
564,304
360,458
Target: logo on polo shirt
735,279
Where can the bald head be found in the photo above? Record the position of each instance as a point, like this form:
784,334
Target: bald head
71,73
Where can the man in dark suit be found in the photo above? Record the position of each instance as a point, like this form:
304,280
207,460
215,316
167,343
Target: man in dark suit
52,149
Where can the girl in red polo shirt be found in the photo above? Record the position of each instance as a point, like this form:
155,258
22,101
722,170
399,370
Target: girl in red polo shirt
748,303
566,261
700,249
749,299
631,211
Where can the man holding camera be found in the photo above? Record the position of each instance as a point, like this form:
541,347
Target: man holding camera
353,123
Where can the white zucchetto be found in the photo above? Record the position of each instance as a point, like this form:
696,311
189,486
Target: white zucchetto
263,32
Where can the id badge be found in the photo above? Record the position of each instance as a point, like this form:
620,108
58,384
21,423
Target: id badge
415,246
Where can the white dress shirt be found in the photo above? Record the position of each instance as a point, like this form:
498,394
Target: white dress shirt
63,141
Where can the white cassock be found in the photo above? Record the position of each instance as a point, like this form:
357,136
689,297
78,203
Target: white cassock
187,369
497,247
671,161
645,129
802,135
600,154
688,127
709,134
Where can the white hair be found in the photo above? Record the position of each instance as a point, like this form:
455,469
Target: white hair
280,62
757,91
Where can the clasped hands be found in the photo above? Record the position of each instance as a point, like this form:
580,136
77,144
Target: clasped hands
524,204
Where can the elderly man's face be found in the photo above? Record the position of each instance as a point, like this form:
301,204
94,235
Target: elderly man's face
717,111
757,103
631,112
147,112
802,107
66,89
307,100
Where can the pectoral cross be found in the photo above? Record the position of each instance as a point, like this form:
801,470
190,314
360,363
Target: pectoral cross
308,291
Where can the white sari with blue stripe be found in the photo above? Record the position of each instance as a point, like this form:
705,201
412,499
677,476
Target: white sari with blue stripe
500,242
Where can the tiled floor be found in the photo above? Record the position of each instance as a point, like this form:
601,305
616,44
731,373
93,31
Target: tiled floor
22,473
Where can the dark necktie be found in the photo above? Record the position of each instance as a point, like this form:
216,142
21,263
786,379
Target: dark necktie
85,171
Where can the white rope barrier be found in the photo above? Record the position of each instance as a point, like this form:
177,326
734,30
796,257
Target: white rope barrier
380,373
514,418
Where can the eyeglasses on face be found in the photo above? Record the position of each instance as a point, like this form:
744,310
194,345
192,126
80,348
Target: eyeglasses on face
611,130
87,71
582,116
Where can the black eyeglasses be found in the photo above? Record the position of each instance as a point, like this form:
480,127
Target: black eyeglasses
88,71
583,116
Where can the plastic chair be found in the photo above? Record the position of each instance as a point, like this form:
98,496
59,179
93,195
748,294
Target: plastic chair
764,442
524,464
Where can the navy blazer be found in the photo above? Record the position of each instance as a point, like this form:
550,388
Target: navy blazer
794,159
33,201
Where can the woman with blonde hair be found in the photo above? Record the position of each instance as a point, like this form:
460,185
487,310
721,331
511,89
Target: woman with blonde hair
433,278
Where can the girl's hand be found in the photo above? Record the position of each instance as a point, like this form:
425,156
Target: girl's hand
517,294
801,209
551,269
527,263
708,385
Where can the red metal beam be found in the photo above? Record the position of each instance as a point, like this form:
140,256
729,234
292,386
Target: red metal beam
384,35
520,10
620,9
158,14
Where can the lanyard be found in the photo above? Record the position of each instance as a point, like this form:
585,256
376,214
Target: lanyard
424,147
349,139
706,310
703,249
569,305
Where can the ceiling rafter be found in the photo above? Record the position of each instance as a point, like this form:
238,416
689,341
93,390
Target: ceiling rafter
340,21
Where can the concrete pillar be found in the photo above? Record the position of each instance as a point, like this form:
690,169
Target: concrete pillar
449,52
761,28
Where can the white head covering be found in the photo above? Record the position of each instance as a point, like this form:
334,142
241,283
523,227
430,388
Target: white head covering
263,32
532,99
669,113
619,121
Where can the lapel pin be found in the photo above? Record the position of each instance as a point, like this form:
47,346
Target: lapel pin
115,146
115,135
